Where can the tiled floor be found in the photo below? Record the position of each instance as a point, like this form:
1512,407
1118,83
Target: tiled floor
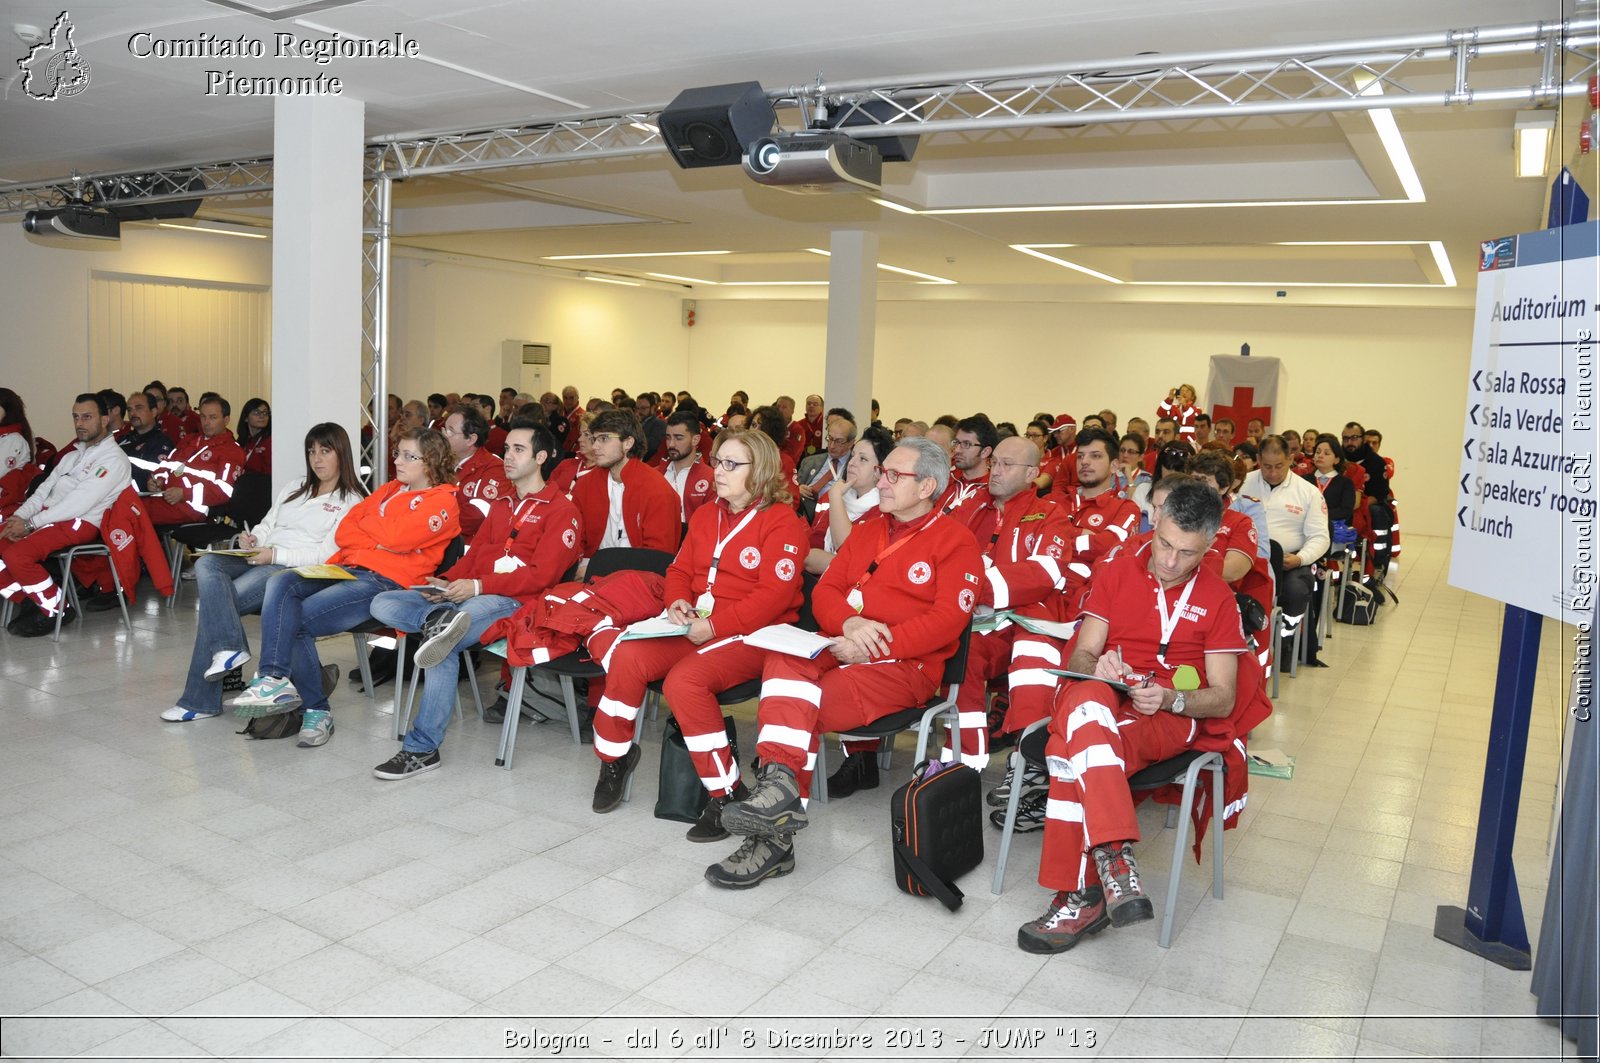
200,894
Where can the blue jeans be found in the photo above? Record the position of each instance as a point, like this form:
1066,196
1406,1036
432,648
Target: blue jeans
298,610
405,611
230,587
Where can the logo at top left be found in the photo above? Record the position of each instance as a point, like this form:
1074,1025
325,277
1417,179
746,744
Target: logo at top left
54,69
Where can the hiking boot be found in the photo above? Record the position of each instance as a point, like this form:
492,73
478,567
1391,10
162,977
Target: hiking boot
773,807
441,632
406,764
1030,813
41,623
316,727
25,610
858,772
1125,899
1070,918
1033,778
614,779
709,828
760,856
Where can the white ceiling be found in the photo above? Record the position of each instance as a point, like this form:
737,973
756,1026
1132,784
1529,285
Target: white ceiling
485,65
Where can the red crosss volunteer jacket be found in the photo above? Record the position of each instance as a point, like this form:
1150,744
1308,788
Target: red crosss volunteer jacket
1238,532
1030,556
969,502
479,481
1184,415
398,533
206,469
759,574
649,508
698,487
542,531
127,530
1104,521
925,584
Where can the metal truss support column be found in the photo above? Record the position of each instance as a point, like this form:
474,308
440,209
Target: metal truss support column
375,327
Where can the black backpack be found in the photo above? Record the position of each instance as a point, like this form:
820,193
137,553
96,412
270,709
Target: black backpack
288,724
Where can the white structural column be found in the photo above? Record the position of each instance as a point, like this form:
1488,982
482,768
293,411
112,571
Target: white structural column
316,273
852,321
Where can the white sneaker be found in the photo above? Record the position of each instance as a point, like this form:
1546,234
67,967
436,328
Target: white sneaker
267,695
225,661
179,714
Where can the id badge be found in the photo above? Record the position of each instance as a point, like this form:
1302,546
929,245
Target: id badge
705,603
508,563
855,599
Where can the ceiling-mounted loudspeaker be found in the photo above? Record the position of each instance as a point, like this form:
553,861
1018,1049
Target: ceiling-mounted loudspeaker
712,126
878,113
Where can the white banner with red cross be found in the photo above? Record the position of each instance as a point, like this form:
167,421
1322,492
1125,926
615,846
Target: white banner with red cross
1242,386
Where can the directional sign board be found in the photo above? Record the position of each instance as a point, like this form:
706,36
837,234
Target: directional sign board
1525,517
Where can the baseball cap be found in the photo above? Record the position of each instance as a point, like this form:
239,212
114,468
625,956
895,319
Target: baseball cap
1063,420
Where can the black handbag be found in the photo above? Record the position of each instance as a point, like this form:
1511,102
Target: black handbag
680,794
936,822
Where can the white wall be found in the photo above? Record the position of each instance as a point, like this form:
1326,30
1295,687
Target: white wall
1403,371
450,318
44,302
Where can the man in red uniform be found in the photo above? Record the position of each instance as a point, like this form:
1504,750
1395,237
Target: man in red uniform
1099,737
740,570
480,476
524,546
681,465
170,424
632,504
200,472
794,444
188,417
967,498
1058,468
1166,431
1102,517
894,602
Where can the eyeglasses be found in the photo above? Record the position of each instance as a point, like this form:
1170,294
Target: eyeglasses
1013,465
965,444
602,437
835,441
1353,439
405,456
728,464
448,431
894,476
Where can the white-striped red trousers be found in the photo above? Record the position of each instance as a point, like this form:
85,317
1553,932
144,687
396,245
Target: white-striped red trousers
801,700
1098,739
22,572
1022,657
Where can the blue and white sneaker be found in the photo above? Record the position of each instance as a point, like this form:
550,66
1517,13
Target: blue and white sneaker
267,695
225,661
316,727
179,714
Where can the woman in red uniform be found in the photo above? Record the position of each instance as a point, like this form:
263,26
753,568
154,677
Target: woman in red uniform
1181,407
739,569
567,472
255,436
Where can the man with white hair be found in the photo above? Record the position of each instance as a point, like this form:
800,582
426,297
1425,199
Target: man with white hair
895,602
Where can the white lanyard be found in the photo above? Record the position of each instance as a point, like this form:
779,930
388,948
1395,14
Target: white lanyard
1169,624
716,552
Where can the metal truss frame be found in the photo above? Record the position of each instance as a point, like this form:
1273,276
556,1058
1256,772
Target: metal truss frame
1345,76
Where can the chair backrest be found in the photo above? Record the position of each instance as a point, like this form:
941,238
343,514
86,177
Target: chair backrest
252,498
955,669
454,551
622,558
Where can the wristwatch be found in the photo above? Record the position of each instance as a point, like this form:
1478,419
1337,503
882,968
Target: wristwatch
1177,702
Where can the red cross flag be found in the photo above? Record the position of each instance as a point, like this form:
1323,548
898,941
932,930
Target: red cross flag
1244,386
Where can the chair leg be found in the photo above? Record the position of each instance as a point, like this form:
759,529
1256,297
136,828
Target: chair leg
819,774
122,597
1185,813
569,697
1014,779
508,730
69,595
1273,624
175,558
472,680
638,738
1218,821
362,663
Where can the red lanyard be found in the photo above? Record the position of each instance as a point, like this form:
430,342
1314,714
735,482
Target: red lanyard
889,549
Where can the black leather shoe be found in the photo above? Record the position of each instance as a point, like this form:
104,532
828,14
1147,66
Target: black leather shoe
99,601
39,624
858,772
613,778
709,828
25,610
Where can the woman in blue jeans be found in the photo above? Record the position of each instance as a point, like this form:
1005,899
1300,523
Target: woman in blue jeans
298,530
394,538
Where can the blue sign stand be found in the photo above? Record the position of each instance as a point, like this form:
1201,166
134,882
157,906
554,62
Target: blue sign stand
1491,924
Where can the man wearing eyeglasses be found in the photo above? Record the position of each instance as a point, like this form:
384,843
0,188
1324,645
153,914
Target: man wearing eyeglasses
480,476
632,504
967,498
894,601
817,471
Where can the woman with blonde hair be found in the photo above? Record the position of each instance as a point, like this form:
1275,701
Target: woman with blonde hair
740,568
393,538
1180,405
